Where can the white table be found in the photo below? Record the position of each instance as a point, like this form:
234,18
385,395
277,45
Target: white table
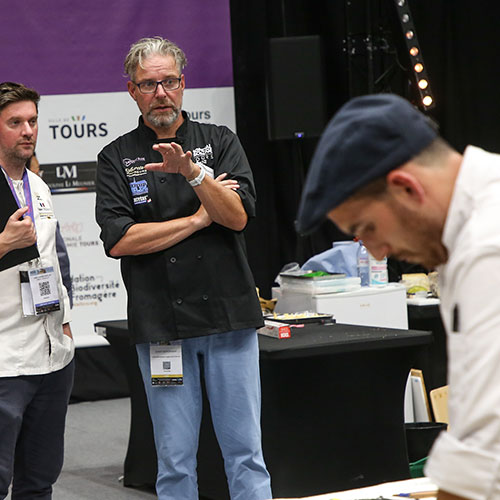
385,490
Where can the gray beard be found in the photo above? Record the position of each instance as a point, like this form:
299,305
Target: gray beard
163,120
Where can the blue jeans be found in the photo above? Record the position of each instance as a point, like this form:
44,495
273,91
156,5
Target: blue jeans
229,363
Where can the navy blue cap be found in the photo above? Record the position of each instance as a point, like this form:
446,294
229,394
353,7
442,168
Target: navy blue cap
367,138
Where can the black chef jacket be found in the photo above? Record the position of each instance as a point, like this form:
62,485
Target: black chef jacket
203,284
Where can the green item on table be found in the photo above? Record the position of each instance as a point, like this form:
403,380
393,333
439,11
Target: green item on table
417,468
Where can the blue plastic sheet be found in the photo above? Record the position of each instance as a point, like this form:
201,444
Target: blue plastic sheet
341,258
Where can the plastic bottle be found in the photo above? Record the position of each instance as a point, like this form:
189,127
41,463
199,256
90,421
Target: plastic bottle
378,271
363,264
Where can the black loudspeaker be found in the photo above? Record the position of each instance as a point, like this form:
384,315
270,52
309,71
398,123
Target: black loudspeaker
295,88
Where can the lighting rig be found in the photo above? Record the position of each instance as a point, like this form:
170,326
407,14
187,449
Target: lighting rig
374,45
419,70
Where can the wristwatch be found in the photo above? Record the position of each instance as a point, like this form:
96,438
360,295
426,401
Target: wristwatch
199,178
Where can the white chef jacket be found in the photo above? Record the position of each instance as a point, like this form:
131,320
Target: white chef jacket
466,459
34,345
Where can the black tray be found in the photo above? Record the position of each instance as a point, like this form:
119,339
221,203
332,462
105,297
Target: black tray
321,318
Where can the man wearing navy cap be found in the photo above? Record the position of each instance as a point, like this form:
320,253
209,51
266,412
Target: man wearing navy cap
382,173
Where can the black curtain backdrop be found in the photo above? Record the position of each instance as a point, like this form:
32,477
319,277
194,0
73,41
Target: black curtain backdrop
460,45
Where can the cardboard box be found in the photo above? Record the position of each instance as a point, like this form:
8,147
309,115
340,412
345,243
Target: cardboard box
275,329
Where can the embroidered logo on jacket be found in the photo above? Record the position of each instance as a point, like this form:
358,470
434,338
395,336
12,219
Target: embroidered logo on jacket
202,155
139,188
136,171
140,192
127,161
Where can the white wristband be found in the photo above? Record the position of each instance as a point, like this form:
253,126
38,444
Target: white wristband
199,178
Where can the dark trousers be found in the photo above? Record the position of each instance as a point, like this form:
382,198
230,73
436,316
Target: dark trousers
32,417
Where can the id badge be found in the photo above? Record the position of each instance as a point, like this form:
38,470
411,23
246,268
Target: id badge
40,295
26,296
166,363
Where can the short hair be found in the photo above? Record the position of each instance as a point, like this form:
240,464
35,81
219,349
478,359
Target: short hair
428,157
145,47
11,92
437,150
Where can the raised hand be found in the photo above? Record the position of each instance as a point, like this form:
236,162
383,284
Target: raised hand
175,161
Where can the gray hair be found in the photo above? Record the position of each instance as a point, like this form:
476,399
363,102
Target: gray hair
145,47
11,92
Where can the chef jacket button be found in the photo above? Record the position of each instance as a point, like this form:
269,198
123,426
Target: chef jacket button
205,297
173,260
179,301
199,257
162,179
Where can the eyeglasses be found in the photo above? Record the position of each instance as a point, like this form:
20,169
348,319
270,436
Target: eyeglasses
150,87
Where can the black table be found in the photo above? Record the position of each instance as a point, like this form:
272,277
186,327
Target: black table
332,410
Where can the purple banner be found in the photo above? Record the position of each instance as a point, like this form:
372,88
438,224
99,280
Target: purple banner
67,47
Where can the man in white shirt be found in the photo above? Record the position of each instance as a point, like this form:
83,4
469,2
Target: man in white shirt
36,346
382,173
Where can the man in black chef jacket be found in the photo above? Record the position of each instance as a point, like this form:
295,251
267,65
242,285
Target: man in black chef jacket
173,197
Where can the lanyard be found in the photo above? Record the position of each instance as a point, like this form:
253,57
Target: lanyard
27,193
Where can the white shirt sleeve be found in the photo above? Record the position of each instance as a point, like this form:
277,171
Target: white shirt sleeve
466,459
